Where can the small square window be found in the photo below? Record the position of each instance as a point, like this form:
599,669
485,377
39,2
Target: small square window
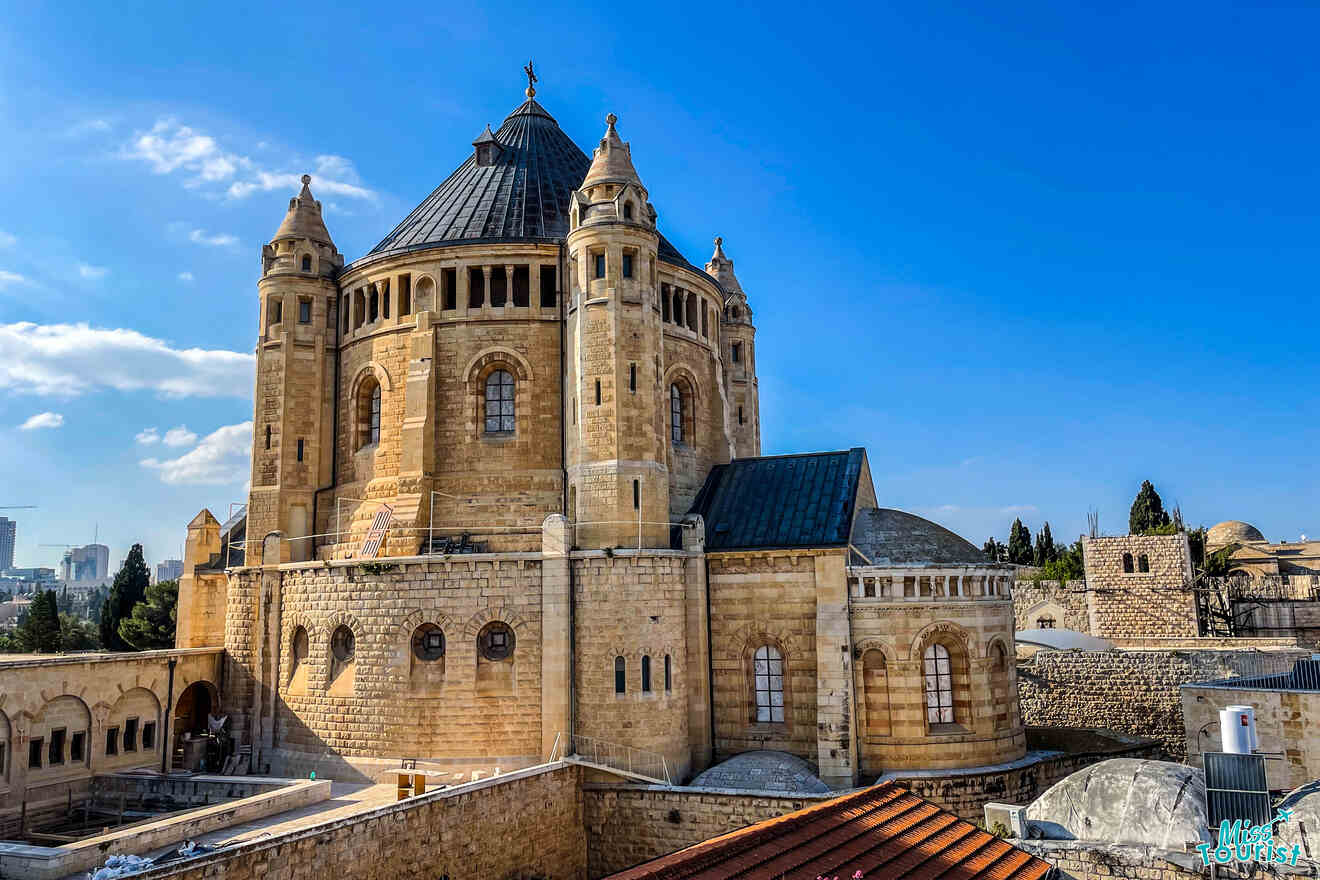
304,311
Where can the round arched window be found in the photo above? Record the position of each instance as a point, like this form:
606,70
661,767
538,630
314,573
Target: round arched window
341,644
495,642
299,645
428,642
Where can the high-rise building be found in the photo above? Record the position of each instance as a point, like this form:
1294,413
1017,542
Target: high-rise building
169,570
8,534
89,563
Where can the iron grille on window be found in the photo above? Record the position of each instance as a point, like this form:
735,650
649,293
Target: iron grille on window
499,403
769,669
939,685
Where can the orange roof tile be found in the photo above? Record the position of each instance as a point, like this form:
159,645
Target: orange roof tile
883,831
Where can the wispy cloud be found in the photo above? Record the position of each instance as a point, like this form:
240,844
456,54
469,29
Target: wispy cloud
7,278
222,457
67,360
7,240
92,273
179,436
88,126
42,420
186,276
172,148
200,236
1019,508
148,436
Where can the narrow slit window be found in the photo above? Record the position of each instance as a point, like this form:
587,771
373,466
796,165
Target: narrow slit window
597,392
449,289
548,297
405,295
300,449
632,377
620,675
669,679
646,674
637,495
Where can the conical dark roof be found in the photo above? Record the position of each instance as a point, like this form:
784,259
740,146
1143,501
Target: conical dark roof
522,196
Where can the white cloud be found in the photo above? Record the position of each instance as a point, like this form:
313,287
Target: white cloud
223,456
92,273
148,436
199,236
7,278
186,276
42,420
7,240
179,436
71,359
170,147
88,126
1019,508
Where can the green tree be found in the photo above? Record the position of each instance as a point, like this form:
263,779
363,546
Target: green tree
1019,544
1044,551
77,634
39,631
994,549
129,588
151,624
1148,515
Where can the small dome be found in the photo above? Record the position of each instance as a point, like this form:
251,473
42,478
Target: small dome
304,217
1304,804
612,160
893,537
763,771
1232,531
1126,801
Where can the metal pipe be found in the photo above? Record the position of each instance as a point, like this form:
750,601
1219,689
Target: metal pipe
165,747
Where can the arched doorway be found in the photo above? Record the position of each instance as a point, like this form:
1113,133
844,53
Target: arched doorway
188,728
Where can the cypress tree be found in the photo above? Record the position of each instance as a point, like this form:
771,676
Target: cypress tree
129,588
1147,513
1045,550
1019,544
40,631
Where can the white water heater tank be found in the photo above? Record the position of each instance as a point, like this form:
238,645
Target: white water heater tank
1237,730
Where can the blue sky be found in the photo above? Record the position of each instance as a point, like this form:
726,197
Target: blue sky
1028,256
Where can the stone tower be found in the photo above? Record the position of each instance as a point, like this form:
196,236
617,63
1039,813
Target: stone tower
293,418
616,442
738,340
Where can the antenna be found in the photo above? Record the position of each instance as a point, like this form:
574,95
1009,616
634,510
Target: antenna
1093,522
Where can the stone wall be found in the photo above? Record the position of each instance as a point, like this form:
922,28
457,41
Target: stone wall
1287,724
1064,602
1083,860
630,824
1055,753
1131,692
69,704
524,824
1131,604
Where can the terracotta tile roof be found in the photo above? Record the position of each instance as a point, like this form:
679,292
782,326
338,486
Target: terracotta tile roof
885,832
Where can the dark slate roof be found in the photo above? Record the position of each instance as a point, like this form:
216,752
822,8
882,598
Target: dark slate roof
882,831
892,537
522,196
781,501
233,535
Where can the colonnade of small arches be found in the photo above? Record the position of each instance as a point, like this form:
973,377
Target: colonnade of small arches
897,585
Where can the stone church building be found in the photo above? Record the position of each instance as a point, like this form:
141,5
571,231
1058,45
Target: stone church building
552,418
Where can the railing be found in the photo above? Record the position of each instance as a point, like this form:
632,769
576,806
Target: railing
637,524
638,762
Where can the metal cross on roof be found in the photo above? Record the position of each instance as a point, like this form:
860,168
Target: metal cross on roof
531,79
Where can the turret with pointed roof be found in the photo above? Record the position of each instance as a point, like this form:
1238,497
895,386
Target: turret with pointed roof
738,338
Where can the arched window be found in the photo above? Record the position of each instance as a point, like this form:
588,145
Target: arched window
1127,563
620,675
938,685
676,413
369,412
298,658
646,674
428,643
768,668
1143,563
495,642
1045,621
342,644
999,685
669,680
307,263
500,403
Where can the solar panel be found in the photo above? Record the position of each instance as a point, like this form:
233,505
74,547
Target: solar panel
1235,788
